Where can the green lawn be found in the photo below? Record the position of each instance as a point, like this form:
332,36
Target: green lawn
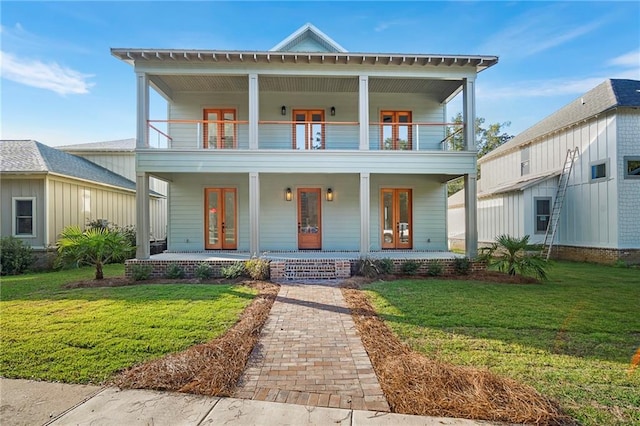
85,335
571,338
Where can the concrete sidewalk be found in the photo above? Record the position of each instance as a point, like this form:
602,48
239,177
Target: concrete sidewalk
111,406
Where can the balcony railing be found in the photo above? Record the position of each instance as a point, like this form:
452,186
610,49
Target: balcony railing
299,135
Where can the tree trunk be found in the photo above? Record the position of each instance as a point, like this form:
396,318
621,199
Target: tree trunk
99,274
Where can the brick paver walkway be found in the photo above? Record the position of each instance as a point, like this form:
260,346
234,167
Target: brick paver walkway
310,353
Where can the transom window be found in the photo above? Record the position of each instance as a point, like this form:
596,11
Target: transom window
632,167
24,216
599,170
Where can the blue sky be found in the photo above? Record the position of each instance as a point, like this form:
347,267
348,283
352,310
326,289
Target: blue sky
60,84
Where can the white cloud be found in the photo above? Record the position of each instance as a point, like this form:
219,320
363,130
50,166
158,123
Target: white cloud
388,24
51,76
630,59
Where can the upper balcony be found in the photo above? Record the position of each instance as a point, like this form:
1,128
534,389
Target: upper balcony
211,135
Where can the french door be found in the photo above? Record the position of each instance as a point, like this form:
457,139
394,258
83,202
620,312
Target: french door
396,218
396,130
308,129
219,129
220,219
309,219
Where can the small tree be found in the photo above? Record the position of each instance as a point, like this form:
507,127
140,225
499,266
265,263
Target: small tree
515,256
95,246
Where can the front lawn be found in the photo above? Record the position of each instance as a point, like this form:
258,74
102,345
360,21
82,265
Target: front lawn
571,338
85,335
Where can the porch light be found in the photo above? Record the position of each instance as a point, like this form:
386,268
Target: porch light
333,110
283,110
329,194
288,195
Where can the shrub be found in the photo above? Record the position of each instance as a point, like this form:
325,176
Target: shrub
233,271
174,271
203,271
15,256
367,267
258,268
435,269
141,272
128,232
385,266
515,256
461,265
410,267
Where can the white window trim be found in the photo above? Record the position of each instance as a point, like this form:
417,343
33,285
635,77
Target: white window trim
14,217
535,213
625,161
606,167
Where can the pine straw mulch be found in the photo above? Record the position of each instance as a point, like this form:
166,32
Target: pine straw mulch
415,384
211,368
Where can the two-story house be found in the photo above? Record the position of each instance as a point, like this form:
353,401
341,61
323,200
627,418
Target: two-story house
598,218
304,147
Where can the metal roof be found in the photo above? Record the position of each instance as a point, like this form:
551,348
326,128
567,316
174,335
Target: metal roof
520,185
29,156
610,94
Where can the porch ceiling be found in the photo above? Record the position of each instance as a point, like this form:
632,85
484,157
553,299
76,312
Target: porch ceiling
442,89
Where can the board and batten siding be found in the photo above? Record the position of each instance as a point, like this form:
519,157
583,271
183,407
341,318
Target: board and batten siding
186,210
74,203
628,134
500,214
23,187
340,218
589,216
429,209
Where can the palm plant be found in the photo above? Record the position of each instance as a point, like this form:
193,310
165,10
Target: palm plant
515,256
96,246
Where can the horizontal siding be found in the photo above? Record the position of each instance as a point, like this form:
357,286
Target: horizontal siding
10,188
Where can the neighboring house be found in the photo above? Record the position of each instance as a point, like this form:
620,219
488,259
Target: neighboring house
43,190
599,218
303,147
119,156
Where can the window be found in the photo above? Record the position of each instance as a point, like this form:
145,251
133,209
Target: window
599,170
24,216
524,161
543,214
632,167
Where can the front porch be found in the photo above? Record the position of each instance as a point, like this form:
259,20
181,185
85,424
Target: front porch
294,265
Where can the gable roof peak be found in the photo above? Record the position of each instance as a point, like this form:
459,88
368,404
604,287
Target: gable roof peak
308,38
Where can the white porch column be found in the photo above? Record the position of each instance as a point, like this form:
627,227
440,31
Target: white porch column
142,110
471,216
469,114
254,213
365,213
142,216
254,111
363,111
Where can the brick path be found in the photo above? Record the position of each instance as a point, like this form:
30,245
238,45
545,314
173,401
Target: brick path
310,353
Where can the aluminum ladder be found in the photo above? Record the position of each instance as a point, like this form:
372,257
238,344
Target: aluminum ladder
554,218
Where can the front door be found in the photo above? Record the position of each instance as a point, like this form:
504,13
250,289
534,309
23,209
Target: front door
309,219
220,219
308,129
396,219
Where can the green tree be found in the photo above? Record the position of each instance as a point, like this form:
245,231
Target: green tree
95,246
515,256
487,139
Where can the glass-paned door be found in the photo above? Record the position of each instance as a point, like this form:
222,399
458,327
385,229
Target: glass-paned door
396,219
221,230
219,128
309,219
396,130
308,129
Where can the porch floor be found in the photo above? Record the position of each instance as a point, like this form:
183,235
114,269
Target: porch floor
304,255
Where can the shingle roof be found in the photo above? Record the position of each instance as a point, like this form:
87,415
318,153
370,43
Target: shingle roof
117,145
607,95
24,156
